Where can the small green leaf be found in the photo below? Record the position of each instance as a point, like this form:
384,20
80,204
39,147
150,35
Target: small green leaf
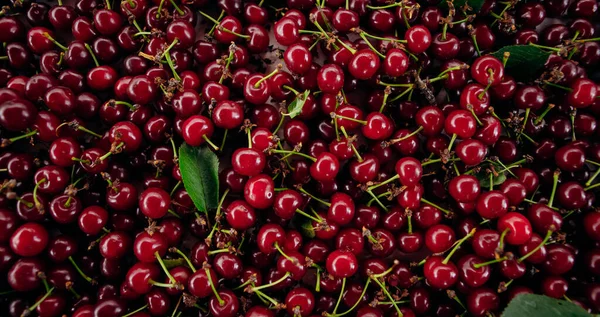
475,4
305,227
295,107
524,62
484,179
199,168
531,305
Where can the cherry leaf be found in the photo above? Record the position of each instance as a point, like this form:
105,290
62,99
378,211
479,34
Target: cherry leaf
531,305
525,61
199,168
295,108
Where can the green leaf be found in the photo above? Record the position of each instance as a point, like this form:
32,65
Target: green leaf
484,179
199,168
475,4
295,107
524,62
531,305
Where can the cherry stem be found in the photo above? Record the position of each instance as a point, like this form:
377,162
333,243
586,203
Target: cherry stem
23,136
159,284
313,197
220,205
387,181
187,260
554,185
387,293
445,211
457,246
388,271
376,198
260,81
89,49
214,289
354,150
309,216
227,63
85,277
337,304
539,119
162,264
358,301
131,4
62,47
591,180
24,202
419,129
246,37
595,39
37,203
41,300
295,153
380,38
482,264
539,246
394,85
291,89
177,8
557,86
212,30
136,311
276,245
555,49
364,37
335,115
264,297
474,39
209,17
167,56
258,288
105,156
209,142
444,30
409,219
386,94
3,58
501,242
452,141
392,5
350,49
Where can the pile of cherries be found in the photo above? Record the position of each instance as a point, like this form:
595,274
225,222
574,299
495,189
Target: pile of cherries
375,157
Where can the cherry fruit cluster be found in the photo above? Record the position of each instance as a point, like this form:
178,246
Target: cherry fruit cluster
376,157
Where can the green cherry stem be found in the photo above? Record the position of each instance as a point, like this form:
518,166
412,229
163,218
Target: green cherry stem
246,37
445,211
28,310
554,185
319,220
302,190
167,56
482,264
214,289
136,311
350,49
6,142
260,81
502,236
162,265
89,49
85,277
48,36
294,153
457,246
353,308
179,11
218,21
187,260
337,304
335,115
37,203
387,293
258,288
539,246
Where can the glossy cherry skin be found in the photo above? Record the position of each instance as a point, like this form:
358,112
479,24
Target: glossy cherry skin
560,259
115,245
464,188
248,161
229,308
240,215
482,300
16,115
196,128
325,168
300,302
473,277
418,39
341,264
154,202
518,226
259,191
439,238
29,239
439,274
364,64
492,204
298,58
146,245
23,275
